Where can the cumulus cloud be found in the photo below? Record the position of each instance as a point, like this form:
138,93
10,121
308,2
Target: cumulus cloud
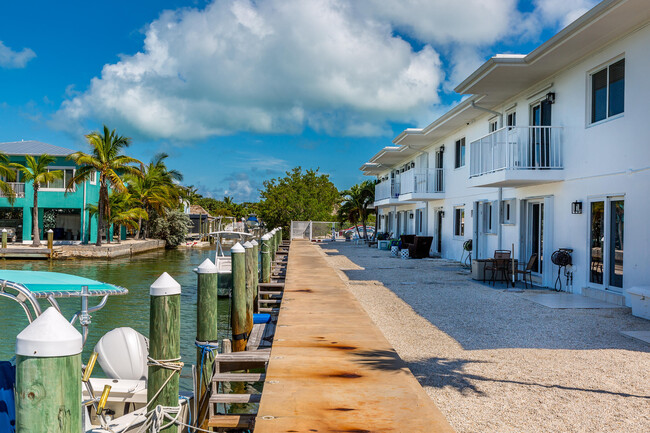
268,67
15,59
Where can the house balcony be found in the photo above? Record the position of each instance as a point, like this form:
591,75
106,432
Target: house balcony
18,187
387,193
422,185
517,156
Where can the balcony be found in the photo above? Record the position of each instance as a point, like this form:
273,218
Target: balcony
422,185
517,156
387,192
18,187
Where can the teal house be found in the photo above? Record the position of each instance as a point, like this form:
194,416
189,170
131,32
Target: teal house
63,212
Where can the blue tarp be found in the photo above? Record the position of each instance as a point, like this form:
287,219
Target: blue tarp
7,403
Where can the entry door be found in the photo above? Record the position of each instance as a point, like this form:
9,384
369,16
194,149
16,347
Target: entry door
421,221
439,185
398,226
439,232
540,138
535,235
606,236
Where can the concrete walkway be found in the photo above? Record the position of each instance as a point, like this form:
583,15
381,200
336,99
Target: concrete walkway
493,360
331,369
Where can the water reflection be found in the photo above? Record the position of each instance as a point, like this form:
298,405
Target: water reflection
132,310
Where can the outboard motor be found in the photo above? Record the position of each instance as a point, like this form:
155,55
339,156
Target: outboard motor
122,354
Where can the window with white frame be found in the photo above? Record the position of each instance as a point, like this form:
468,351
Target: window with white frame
459,221
460,152
508,211
93,177
60,183
511,119
494,125
489,217
607,91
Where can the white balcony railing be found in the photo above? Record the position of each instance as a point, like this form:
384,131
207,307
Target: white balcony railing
387,189
18,187
517,148
423,181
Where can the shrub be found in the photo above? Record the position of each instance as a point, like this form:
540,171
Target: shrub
172,227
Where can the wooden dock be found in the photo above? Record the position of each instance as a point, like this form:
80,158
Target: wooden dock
25,252
331,369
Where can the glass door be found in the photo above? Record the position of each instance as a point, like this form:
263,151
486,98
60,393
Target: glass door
540,138
606,242
535,238
439,186
439,231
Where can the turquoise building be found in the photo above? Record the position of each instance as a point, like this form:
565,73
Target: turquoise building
63,212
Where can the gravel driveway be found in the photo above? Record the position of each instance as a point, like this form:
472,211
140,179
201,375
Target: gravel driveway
493,361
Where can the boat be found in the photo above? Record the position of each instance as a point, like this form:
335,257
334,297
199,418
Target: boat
222,261
125,404
252,222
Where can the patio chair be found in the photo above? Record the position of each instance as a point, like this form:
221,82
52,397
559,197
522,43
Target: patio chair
528,270
420,248
407,240
498,265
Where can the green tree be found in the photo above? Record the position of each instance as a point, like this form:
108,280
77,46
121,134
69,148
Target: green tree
357,205
107,160
172,227
10,176
299,197
35,171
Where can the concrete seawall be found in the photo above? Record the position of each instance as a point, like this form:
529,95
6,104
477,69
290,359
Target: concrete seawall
107,251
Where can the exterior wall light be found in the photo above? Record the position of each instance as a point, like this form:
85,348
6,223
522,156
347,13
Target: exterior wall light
442,149
550,97
576,207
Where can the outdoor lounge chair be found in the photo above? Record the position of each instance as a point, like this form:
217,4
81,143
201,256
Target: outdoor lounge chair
420,248
407,240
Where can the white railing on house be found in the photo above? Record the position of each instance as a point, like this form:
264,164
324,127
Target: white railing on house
18,187
517,148
423,181
387,189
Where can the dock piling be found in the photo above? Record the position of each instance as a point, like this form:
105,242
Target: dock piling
48,381
206,322
256,273
274,244
238,299
4,238
266,258
248,247
164,344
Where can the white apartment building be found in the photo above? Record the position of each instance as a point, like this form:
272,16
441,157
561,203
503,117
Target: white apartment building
549,151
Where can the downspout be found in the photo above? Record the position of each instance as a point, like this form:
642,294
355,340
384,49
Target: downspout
487,110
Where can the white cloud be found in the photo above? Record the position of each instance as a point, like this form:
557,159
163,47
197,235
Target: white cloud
15,59
267,67
562,12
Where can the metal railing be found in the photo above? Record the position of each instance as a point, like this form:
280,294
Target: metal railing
387,189
423,181
18,187
517,148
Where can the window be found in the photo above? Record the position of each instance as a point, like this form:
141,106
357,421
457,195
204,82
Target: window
68,174
489,216
608,91
508,211
511,119
459,221
93,178
460,152
494,125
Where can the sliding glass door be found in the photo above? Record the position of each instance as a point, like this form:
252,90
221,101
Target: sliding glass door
606,242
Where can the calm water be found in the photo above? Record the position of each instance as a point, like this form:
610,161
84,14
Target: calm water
136,274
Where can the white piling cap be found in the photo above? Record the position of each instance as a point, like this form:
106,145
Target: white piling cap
237,248
254,243
247,244
207,267
266,237
48,336
165,285
4,230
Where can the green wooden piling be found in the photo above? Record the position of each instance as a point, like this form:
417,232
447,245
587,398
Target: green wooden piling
250,295
266,258
256,274
164,342
207,295
238,298
48,376
4,238
274,245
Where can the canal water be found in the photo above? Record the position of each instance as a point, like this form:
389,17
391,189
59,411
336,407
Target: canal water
135,273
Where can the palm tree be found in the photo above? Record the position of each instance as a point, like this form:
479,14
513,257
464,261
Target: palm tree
36,171
106,159
156,190
124,212
357,203
10,176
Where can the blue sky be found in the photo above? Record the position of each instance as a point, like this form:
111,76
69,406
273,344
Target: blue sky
240,91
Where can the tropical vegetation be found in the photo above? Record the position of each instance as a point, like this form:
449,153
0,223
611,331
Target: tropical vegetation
357,205
9,176
35,170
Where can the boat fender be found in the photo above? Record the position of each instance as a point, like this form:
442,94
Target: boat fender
123,354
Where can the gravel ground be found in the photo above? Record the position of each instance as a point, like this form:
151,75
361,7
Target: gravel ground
493,361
